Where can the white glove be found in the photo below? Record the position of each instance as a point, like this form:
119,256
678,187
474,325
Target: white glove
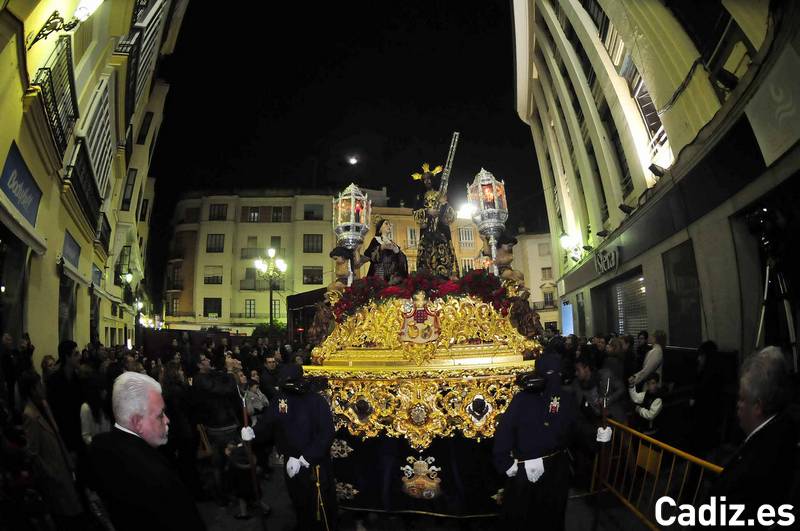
604,434
293,467
534,468
304,462
512,471
248,434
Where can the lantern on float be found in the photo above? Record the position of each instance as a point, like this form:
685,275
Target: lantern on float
487,198
352,210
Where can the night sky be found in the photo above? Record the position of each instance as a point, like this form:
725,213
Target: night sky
276,94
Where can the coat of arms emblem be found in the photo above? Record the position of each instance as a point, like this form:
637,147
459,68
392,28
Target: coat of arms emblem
420,320
421,478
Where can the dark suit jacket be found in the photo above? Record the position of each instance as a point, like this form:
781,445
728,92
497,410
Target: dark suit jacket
762,469
138,487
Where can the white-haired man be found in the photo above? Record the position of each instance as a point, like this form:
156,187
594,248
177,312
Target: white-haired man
762,470
136,483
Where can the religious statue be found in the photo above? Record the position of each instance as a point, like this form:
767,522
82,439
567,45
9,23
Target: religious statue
386,260
435,253
344,264
504,258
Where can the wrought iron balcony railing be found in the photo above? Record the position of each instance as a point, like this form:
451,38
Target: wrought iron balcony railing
249,315
80,178
544,305
57,82
180,314
174,284
254,284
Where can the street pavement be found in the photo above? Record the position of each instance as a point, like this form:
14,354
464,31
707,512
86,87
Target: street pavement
581,514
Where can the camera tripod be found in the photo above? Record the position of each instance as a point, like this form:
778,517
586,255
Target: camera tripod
780,281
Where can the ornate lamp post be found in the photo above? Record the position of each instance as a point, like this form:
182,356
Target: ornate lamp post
352,211
487,198
271,269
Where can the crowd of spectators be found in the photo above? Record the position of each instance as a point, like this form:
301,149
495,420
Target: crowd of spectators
50,414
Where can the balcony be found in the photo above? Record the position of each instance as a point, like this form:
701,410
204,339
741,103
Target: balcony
80,179
251,252
175,254
174,284
248,315
103,235
248,253
253,284
56,80
130,45
544,305
180,314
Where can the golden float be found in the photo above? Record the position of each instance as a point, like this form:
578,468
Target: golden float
422,369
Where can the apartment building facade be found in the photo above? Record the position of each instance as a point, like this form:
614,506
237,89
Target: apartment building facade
81,110
661,128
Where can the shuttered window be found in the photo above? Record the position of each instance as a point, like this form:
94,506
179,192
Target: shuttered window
630,305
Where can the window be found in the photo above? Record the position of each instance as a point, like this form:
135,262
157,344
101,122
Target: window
549,297
175,305
143,210
467,265
544,249
465,236
82,39
144,129
152,147
312,275
547,273
218,212
251,214
312,243
212,275
127,193
312,212
250,273
276,309
252,242
250,307
212,307
281,214
191,215
275,242
215,243
412,237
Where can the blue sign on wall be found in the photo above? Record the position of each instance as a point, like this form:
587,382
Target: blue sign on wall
72,251
19,185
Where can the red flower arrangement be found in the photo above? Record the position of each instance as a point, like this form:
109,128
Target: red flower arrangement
478,283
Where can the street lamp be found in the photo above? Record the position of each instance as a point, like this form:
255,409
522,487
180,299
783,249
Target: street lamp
271,269
57,23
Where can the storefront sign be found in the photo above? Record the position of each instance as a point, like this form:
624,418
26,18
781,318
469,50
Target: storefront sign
774,111
72,251
606,260
19,185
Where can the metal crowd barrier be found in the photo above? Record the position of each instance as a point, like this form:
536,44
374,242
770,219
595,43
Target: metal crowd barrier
639,470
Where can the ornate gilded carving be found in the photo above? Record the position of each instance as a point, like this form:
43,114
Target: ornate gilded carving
457,383
420,404
463,321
